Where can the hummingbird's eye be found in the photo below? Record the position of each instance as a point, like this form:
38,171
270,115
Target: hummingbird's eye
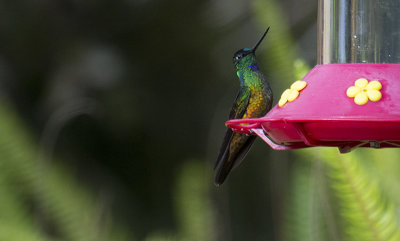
238,57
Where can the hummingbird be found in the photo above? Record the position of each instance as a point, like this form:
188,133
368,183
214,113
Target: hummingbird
253,100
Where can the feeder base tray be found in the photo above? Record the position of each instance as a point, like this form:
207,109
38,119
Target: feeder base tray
323,115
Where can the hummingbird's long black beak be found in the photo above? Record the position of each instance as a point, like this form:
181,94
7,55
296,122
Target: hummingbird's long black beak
259,41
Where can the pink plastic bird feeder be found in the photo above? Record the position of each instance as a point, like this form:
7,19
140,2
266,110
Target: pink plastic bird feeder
352,97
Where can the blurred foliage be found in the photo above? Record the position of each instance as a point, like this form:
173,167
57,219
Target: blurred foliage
39,201
335,197
112,113
367,216
193,203
282,49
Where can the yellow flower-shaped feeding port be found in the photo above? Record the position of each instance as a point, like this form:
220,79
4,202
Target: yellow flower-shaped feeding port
362,91
292,93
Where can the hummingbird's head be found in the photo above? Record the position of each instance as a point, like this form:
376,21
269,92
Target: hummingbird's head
242,55
247,55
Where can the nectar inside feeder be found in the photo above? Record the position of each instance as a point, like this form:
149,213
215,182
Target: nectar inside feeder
351,98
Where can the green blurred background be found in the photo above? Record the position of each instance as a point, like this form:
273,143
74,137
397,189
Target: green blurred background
112,113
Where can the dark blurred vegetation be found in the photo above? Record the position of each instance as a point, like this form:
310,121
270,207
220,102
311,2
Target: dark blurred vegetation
112,113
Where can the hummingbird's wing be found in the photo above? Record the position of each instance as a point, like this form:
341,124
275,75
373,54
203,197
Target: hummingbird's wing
238,109
231,160
240,104
237,112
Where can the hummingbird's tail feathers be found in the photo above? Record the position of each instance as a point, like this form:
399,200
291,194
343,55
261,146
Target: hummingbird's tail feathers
231,160
243,152
222,173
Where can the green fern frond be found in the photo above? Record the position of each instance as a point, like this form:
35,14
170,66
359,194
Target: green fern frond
366,215
61,201
383,164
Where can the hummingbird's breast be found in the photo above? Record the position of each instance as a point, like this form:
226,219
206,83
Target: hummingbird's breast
259,104
260,101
